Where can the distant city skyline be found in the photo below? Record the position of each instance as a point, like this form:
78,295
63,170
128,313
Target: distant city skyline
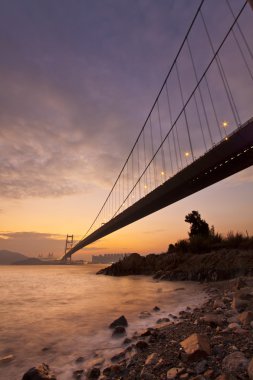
77,82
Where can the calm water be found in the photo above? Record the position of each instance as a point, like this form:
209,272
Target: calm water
67,309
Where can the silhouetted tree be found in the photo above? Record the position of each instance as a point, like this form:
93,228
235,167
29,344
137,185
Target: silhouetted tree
199,227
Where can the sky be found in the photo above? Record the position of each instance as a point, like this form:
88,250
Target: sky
77,82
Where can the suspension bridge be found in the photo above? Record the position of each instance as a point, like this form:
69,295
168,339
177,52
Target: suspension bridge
199,129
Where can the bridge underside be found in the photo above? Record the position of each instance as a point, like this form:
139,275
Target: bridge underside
228,157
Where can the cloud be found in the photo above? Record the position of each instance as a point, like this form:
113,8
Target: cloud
30,235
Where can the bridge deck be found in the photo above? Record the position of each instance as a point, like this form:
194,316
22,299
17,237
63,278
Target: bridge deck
228,157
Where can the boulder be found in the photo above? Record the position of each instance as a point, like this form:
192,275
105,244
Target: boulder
235,363
121,321
250,369
246,317
119,331
93,373
142,345
118,357
196,346
41,372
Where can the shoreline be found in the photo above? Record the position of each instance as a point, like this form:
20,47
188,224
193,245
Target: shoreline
157,352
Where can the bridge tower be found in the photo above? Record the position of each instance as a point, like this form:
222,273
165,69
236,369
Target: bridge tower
69,244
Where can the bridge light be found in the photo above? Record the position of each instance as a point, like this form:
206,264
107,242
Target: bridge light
226,138
225,124
187,154
162,173
145,186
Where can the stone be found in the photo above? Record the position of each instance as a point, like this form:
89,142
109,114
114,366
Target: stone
112,371
250,369
118,357
152,359
208,374
78,374
246,317
184,376
127,341
6,359
93,373
218,303
196,346
41,372
233,326
121,321
201,367
141,345
144,314
239,304
235,362
119,332
162,320
156,308
80,360
226,376
172,373
213,319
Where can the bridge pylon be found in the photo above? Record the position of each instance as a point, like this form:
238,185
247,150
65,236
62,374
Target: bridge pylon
68,245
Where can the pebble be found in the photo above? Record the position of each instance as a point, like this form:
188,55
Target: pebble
6,359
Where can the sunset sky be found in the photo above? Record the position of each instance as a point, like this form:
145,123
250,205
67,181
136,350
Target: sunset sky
78,79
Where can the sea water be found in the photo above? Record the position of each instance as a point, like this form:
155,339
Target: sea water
55,314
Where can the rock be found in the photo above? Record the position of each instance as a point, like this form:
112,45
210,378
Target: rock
144,314
119,332
239,304
226,376
239,283
196,346
156,308
250,369
251,324
246,317
78,374
213,319
142,345
201,367
233,326
93,373
80,360
112,371
41,372
172,373
162,320
218,303
6,359
127,341
208,374
118,357
235,362
152,359
184,376
233,320
121,321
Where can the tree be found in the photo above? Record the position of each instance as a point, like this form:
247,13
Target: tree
199,227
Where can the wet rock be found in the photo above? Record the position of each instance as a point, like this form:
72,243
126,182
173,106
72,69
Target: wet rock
119,332
196,346
118,357
112,371
246,317
142,345
6,359
218,304
45,349
78,374
93,373
127,341
235,362
144,314
121,321
80,360
250,369
162,320
208,374
156,308
172,373
184,376
41,372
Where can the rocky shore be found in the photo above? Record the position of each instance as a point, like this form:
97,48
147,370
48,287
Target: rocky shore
214,266
213,341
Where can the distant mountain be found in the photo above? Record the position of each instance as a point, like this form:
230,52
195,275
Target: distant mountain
30,261
9,257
